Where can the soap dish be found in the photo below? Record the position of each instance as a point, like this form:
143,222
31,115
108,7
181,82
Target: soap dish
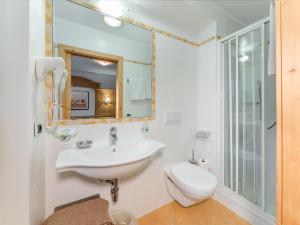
84,144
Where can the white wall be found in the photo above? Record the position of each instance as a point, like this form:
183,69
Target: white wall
21,155
176,89
14,165
36,107
207,97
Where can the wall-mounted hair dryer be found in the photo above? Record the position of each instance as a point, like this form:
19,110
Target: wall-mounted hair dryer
56,65
48,64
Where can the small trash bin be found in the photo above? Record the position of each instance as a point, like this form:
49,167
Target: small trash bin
122,217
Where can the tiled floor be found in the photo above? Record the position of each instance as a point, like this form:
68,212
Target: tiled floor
209,212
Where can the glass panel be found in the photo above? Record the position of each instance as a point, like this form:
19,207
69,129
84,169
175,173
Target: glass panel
227,177
230,115
270,134
233,111
249,113
258,108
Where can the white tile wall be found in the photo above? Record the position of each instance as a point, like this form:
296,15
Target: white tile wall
37,146
14,113
13,166
208,98
21,4
14,37
13,97
14,211
21,155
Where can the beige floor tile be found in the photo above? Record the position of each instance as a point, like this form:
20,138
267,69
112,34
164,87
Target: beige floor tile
209,212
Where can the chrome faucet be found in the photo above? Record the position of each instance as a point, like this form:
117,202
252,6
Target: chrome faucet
113,136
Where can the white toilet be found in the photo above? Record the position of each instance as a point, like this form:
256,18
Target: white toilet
189,184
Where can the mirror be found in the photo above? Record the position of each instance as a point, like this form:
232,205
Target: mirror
93,84
109,62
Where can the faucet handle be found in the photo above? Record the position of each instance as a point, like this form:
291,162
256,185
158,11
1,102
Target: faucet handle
113,136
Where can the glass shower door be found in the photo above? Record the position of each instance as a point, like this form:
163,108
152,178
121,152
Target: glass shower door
249,115
250,108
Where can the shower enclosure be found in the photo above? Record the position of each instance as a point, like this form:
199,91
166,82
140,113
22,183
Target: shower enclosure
249,117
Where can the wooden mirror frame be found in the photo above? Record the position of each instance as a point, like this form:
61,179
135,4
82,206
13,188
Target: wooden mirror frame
66,52
48,83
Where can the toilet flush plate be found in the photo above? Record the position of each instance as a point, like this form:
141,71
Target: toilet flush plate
172,117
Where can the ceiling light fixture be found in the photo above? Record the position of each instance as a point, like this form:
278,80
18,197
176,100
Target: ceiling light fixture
112,8
102,63
112,22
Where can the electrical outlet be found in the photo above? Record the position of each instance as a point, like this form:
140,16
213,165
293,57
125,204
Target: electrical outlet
38,129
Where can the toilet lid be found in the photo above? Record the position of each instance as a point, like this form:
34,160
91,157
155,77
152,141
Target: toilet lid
194,177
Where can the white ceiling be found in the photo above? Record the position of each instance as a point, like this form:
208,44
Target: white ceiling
191,16
90,65
188,16
244,11
90,69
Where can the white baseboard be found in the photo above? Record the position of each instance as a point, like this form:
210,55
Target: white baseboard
243,208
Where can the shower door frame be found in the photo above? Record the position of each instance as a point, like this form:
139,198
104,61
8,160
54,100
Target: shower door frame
221,129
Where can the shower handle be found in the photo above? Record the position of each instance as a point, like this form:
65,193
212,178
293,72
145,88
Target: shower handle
260,98
273,125
259,92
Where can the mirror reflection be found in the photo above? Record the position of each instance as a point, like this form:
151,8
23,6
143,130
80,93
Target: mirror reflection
109,60
93,84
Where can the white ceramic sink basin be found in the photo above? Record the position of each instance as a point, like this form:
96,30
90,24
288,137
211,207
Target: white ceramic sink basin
103,161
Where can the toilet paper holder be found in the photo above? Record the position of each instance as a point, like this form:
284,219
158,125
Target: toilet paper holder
203,163
193,160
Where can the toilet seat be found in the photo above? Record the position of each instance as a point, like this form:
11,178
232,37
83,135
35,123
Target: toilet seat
193,179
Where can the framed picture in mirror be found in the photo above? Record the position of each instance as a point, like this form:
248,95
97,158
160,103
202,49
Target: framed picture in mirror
80,100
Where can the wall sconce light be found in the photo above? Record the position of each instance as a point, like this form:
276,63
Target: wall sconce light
107,100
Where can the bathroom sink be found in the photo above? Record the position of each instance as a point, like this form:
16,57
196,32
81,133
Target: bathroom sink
106,162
